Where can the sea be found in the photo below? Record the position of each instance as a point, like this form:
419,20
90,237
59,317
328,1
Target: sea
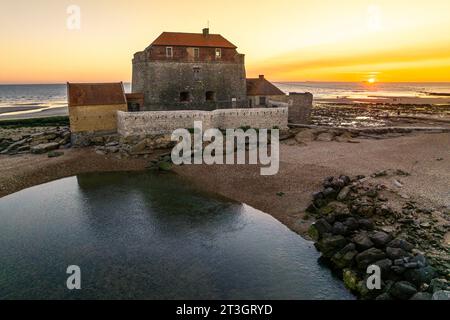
22,101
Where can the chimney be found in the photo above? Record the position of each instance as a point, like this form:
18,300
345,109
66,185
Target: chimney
205,32
261,76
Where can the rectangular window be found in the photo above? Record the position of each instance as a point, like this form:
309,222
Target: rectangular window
169,52
196,53
262,101
218,53
196,73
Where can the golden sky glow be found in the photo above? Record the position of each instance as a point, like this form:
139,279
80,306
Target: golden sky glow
287,40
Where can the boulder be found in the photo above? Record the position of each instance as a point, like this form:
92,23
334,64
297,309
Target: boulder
380,239
403,290
350,279
439,284
44,147
319,228
330,245
420,275
401,243
385,266
344,258
369,256
362,241
329,193
339,228
421,296
325,136
384,296
351,223
343,193
366,224
305,136
396,253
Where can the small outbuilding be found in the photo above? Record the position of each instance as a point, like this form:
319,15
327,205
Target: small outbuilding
260,90
93,106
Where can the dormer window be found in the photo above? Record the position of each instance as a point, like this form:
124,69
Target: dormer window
169,52
218,53
196,52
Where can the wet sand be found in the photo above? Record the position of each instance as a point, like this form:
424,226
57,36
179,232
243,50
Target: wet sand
302,168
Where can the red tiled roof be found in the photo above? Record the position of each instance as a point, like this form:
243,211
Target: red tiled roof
261,87
85,94
192,40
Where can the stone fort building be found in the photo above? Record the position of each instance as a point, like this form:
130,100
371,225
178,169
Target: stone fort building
180,71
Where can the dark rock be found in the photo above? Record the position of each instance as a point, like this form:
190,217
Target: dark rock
420,260
398,269
439,284
351,223
344,258
420,275
411,265
384,296
380,238
327,182
421,296
329,192
369,256
319,203
362,241
319,228
385,266
396,253
366,224
339,228
403,290
345,179
330,245
400,243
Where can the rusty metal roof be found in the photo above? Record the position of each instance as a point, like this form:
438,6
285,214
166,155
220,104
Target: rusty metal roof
88,94
192,40
261,87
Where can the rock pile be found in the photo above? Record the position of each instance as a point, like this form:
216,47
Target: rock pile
38,143
356,228
132,146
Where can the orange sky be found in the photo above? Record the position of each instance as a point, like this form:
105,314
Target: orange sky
287,40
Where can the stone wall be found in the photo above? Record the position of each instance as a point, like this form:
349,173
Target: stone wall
163,81
299,104
162,122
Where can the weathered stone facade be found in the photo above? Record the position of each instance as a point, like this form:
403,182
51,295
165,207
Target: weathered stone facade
205,75
163,122
299,104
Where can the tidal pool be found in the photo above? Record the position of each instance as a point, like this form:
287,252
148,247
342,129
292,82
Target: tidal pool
148,236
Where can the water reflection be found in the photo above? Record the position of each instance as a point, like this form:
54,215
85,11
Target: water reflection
138,235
